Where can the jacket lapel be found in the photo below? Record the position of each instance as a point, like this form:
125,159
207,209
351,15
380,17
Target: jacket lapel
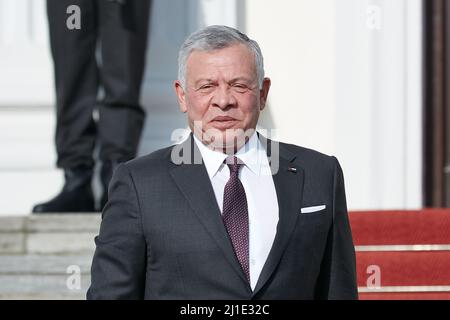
289,188
193,181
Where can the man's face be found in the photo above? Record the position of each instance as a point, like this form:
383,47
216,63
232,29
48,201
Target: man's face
222,93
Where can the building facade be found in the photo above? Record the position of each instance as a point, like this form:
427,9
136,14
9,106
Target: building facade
346,76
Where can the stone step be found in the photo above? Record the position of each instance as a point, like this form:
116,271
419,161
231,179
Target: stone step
34,264
44,276
43,296
49,234
32,286
82,222
47,256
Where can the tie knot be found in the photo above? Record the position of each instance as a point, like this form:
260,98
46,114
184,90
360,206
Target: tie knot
234,163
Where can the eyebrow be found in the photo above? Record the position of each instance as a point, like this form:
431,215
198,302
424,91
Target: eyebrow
240,79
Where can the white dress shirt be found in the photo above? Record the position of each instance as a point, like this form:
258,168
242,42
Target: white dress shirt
262,201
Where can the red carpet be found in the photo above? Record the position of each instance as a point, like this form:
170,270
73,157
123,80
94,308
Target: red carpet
401,227
406,296
411,249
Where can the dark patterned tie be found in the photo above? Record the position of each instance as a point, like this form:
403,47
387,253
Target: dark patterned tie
235,215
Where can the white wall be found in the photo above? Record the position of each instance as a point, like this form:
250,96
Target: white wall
297,39
26,71
347,81
27,167
343,83
378,81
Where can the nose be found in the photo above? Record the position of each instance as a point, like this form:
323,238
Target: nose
223,98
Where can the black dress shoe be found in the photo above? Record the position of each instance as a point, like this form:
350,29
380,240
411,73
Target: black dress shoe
76,195
106,174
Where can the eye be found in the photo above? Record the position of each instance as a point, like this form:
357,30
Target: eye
206,88
239,87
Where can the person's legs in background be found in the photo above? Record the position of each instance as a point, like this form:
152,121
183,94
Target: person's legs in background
123,31
76,81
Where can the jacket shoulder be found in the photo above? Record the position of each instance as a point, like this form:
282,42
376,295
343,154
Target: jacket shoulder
310,158
299,150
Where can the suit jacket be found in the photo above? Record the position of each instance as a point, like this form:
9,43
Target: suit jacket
162,235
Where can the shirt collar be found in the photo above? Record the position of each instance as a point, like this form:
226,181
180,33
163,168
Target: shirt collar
250,154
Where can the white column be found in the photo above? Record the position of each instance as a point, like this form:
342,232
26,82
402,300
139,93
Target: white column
297,38
378,81
26,77
346,80
222,12
414,132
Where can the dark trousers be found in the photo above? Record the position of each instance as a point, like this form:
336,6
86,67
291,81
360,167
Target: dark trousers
120,33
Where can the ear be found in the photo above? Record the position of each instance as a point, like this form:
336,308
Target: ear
181,95
264,92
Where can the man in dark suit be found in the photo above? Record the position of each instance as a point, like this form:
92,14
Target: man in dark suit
118,28
226,214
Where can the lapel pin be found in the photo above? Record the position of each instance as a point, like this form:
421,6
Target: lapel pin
292,169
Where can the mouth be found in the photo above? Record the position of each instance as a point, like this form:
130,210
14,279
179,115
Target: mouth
223,122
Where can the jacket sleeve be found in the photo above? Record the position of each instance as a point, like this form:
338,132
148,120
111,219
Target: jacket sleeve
337,278
118,266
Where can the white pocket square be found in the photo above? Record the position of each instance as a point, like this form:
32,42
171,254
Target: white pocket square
313,209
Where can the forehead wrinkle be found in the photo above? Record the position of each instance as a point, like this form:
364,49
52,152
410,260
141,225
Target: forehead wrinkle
218,64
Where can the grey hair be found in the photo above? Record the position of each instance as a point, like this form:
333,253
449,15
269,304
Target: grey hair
214,38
